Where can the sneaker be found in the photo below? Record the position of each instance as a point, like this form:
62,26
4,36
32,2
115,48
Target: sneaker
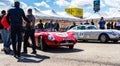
7,50
24,52
34,52
16,56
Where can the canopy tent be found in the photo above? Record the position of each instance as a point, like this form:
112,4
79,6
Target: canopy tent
95,16
60,16
115,16
106,16
67,16
38,14
53,14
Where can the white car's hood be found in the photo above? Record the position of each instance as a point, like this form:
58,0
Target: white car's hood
98,30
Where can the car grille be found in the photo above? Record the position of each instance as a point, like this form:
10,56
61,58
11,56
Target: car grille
66,39
67,42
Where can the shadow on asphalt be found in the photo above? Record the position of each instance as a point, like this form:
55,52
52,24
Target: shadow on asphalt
97,42
62,50
27,58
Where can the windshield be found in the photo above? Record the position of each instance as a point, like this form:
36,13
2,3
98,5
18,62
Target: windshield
91,27
81,27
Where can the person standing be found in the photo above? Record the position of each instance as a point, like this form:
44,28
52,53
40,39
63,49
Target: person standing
1,26
81,23
5,34
86,23
73,25
109,25
114,24
46,25
102,23
118,24
29,32
92,23
14,18
56,26
3,12
50,26
40,25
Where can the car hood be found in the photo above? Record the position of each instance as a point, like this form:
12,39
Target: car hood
109,30
61,34
98,30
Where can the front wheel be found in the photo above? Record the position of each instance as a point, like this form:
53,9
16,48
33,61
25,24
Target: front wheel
103,38
43,45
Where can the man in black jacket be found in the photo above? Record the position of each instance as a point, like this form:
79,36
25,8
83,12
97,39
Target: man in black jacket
14,17
29,32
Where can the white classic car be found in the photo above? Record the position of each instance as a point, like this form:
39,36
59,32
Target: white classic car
90,32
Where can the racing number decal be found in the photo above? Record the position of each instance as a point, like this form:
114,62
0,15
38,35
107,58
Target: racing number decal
81,34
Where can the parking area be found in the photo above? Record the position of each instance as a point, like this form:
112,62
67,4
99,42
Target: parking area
83,54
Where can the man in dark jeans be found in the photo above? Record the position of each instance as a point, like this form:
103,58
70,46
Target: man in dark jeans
29,32
14,17
1,26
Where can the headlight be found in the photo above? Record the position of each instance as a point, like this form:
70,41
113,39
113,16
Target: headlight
51,37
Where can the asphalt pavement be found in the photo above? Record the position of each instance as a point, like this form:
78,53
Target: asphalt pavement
83,54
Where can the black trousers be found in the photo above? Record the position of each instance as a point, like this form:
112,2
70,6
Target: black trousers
29,34
16,36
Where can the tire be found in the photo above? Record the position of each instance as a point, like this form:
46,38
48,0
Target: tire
103,38
71,47
42,43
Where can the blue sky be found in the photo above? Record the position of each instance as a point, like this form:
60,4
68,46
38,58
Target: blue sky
45,4
107,6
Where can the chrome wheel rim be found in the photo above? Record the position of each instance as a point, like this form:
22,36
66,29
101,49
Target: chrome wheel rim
103,38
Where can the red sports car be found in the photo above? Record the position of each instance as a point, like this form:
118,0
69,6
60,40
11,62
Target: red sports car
46,39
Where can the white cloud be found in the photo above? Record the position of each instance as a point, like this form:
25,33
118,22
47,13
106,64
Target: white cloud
113,6
78,3
43,3
23,5
113,3
2,4
81,3
11,1
62,3
102,4
7,1
111,11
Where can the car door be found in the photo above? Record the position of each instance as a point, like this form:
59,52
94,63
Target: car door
87,34
84,33
92,32
80,31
